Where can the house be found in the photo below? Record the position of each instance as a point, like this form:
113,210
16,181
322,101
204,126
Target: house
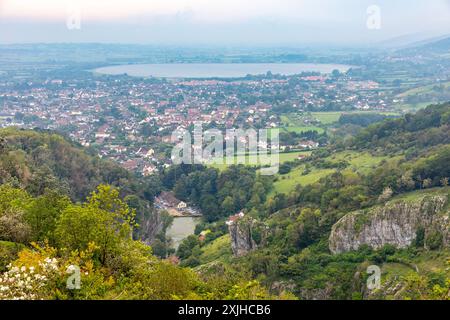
168,199
149,170
233,219
130,165
308,144
181,205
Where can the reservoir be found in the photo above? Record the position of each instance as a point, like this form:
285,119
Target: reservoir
217,70
181,228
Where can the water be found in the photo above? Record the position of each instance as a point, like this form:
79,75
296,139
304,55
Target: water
217,70
181,228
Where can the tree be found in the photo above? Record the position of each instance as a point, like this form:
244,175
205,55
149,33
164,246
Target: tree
228,205
255,201
104,220
419,242
2,145
43,213
305,230
386,195
13,227
107,198
335,73
406,181
433,240
12,197
185,248
209,207
427,183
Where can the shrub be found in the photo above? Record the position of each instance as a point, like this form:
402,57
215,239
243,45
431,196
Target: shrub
433,240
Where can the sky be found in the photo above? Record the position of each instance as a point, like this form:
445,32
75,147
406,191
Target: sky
216,22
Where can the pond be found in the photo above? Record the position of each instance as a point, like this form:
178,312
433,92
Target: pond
181,228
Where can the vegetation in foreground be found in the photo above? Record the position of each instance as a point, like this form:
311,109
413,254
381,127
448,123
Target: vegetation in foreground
47,231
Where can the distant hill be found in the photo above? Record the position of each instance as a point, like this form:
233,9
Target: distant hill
438,45
442,45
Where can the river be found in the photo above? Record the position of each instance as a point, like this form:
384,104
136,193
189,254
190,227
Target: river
181,228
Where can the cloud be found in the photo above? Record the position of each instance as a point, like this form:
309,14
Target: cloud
201,10
227,21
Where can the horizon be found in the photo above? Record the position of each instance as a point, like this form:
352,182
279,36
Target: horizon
221,23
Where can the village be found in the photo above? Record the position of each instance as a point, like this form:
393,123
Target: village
130,121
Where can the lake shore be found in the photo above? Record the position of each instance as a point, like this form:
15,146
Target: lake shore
216,70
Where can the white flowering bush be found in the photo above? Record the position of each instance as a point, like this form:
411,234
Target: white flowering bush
44,273
27,283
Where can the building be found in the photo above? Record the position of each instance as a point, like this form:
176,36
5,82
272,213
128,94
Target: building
149,170
181,205
233,219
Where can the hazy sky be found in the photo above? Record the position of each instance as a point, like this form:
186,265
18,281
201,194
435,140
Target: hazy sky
218,21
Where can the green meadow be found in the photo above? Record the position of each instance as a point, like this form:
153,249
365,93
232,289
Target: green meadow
254,160
287,182
327,118
358,162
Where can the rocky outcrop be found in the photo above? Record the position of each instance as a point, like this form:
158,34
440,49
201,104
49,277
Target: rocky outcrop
396,223
246,235
241,238
151,226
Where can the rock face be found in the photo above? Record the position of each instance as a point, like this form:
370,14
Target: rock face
150,227
241,238
395,223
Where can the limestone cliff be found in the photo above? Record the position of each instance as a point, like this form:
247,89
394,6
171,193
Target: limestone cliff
150,226
241,240
246,235
396,223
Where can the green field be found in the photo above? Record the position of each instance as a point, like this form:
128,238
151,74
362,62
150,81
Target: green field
327,117
333,117
433,96
409,107
302,129
292,123
287,183
253,160
424,90
358,162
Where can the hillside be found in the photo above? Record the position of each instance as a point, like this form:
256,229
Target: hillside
424,129
441,45
382,200
52,226
39,162
435,45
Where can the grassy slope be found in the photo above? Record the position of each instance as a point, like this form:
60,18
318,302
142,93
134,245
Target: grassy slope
252,160
423,90
418,194
288,182
291,123
219,249
327,118
428,89
425,263
360,162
